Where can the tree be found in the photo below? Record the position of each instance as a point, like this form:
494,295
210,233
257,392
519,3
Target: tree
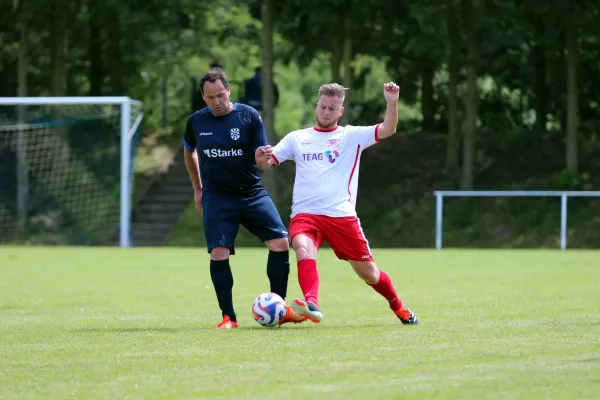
572,62
453,51
22,13
95,49
470,29
267,90
58,47
347,57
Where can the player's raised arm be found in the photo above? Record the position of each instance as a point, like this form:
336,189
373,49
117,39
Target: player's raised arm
391,92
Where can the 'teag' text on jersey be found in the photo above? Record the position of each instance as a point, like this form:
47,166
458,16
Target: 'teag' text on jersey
226,147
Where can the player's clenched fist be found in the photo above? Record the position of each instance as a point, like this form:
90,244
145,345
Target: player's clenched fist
263,154
391,91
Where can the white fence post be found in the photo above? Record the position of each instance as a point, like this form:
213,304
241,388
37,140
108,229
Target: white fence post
439,215
563,221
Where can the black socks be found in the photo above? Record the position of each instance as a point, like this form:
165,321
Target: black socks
278,269
220,273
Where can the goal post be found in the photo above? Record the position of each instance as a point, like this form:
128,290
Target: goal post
564,195
73,168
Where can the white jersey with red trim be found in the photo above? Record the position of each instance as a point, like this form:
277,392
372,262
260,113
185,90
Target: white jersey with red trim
327,163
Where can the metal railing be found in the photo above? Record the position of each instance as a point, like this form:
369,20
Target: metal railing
564,195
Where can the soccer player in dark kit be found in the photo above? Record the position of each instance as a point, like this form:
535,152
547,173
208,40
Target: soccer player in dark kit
219,146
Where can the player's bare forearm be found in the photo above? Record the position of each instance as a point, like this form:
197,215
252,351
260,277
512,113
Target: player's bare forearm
390,122
391,93
264,157
193,168
264,165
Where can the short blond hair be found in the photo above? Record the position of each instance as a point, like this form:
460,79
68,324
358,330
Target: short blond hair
333,90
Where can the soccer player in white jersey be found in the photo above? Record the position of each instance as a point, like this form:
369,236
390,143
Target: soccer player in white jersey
323,207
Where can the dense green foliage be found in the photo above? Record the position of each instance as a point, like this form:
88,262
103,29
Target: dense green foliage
498,94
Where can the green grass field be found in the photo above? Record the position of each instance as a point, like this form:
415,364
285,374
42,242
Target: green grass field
95,323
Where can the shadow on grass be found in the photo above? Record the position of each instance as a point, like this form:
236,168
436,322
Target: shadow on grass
141,329
167,329
243,328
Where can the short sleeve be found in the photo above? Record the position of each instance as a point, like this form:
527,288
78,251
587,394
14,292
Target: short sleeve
365,136
258,135
189,140
284,150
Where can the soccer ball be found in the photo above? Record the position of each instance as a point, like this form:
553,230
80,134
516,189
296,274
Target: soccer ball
268,309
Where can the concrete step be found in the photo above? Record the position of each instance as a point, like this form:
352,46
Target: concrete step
182,178
177,189
152,227
159,218
158,211
163,206
172,198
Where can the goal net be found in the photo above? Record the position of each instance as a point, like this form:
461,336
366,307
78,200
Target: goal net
66,169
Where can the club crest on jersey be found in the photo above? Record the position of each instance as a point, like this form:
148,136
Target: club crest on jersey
333,142
332,155
235,133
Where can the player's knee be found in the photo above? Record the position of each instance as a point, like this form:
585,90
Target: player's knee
281,244
367,271
303,252
219,253
304,248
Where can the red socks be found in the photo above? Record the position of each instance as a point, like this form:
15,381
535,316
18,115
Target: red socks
385,288
308,277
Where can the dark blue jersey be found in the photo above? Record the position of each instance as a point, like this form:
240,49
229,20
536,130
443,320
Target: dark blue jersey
226,147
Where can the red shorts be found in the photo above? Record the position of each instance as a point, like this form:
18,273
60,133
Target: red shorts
344,235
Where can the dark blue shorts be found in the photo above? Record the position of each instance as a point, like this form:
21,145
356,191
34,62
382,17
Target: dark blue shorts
225,212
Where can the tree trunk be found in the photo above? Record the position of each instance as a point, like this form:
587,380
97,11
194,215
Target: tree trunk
427,102
22,165
336,60
540,89
347,65
164,94
543,58
470,102
115,56
572,60
453,144
267,89
95,49
58,49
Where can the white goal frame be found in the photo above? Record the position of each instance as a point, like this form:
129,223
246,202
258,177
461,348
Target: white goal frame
564,195
127,132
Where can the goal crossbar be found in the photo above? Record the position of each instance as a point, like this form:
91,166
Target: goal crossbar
564,195
40,101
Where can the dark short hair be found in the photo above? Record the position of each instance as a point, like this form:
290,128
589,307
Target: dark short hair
215,74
